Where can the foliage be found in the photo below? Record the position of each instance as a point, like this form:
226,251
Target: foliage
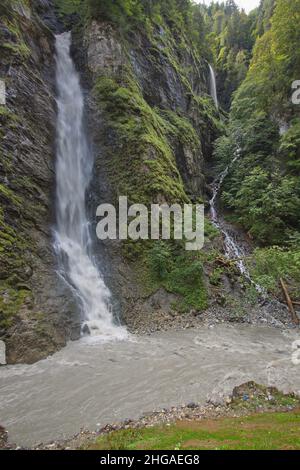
268,265
179,272
263,187
160,260
180,15
70,7
231,39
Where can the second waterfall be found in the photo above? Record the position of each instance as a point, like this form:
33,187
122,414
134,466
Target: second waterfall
74,164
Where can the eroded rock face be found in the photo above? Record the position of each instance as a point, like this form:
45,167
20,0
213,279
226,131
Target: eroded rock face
152,66
37,311
104,51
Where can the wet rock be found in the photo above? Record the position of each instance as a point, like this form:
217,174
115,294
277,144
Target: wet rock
104,51
3,438
2,353
192,405
37,307
86,330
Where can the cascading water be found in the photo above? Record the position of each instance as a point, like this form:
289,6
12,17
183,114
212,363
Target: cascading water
74,165
233,250
213,86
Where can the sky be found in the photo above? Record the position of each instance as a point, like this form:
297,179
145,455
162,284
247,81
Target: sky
248,5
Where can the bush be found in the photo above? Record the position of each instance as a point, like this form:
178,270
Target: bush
160,260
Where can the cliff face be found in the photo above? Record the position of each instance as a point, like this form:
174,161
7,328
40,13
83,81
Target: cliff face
152,76
36,313
153,123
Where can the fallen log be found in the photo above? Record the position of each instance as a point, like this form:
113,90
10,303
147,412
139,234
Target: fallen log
295,302
226,262
289,302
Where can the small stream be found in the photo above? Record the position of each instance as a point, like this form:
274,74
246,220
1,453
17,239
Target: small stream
233,249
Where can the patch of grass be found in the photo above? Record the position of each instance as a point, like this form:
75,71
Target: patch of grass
272,431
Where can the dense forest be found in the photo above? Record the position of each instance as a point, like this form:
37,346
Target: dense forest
262,190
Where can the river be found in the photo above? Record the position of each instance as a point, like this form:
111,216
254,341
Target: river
90,383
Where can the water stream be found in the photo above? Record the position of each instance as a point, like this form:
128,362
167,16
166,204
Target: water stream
90,384
74,166
233,249
213,86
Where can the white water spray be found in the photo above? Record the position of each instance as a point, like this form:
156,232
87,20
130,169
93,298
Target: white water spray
213,86
74,165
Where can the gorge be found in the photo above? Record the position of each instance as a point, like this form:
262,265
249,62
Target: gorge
161,103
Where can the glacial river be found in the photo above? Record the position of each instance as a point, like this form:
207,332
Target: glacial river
89,383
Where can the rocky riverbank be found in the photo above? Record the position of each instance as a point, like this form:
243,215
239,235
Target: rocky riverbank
273,314
247,399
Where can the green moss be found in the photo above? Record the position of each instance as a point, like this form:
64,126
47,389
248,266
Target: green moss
13,249
11,302
146,165
18,46
21,49
10,196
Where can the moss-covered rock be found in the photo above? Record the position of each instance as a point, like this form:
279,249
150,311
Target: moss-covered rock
153,123
31,295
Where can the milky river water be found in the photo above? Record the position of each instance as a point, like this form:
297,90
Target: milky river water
89,383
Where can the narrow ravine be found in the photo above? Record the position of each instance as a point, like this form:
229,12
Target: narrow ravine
74,166
233,249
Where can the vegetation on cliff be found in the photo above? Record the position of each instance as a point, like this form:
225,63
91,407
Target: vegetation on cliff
28,314
263,188
160,122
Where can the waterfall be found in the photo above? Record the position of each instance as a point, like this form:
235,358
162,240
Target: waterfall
74,164
213,86
233,250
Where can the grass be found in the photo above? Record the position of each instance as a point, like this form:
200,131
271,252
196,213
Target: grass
268,431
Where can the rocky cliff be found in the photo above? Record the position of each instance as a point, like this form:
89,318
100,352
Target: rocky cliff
153,123
37,313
